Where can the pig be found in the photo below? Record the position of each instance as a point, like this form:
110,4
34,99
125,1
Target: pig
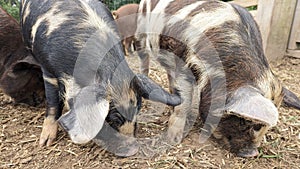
85,72
20,76
126,17
213,55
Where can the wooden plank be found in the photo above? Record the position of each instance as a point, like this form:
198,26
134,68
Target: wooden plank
295,32
293,53
275,19
245,3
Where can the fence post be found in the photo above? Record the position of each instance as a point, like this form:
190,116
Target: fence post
294,41
275,19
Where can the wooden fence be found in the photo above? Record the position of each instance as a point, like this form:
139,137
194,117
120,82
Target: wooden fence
294,41
279,22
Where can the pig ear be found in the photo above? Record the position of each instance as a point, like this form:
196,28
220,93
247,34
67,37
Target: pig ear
86,116
290,99
248,102
25,64
115,14
148,89
30,60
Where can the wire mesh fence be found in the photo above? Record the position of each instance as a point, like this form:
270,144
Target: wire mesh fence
115,4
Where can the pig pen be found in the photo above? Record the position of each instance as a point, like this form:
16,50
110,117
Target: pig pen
21,126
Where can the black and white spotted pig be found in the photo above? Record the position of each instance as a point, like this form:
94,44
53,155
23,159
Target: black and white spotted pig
20,76
214,58
84,69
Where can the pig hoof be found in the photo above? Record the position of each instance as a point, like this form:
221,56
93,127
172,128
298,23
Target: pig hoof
175,130
49,131
175,134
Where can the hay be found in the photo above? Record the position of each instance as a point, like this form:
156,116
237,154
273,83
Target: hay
21,126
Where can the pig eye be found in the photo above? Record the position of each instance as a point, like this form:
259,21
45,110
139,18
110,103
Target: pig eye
115,119
257,127
131,101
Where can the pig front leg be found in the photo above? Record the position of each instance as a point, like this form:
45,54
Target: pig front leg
144,69
144,56
127,45
178,119
53,111
171,79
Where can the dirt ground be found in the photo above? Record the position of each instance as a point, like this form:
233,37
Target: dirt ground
21,126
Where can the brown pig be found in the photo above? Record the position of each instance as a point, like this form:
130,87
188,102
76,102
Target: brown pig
126,18
20,76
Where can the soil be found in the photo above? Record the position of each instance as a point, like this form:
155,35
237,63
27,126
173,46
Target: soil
21,126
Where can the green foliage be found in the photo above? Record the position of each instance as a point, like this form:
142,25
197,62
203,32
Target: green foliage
251,8
11,7
115,4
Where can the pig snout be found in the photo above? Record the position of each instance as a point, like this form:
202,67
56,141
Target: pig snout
248,152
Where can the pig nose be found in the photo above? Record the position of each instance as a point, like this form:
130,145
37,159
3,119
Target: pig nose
249,152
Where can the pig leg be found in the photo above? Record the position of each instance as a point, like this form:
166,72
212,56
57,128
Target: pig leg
172,89
134,43
171,76
53,111
144,57
127,44
144,64
177,121
169,61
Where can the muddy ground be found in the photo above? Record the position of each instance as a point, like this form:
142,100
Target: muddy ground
21,126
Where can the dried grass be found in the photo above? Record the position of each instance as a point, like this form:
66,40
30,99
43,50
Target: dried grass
21,125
